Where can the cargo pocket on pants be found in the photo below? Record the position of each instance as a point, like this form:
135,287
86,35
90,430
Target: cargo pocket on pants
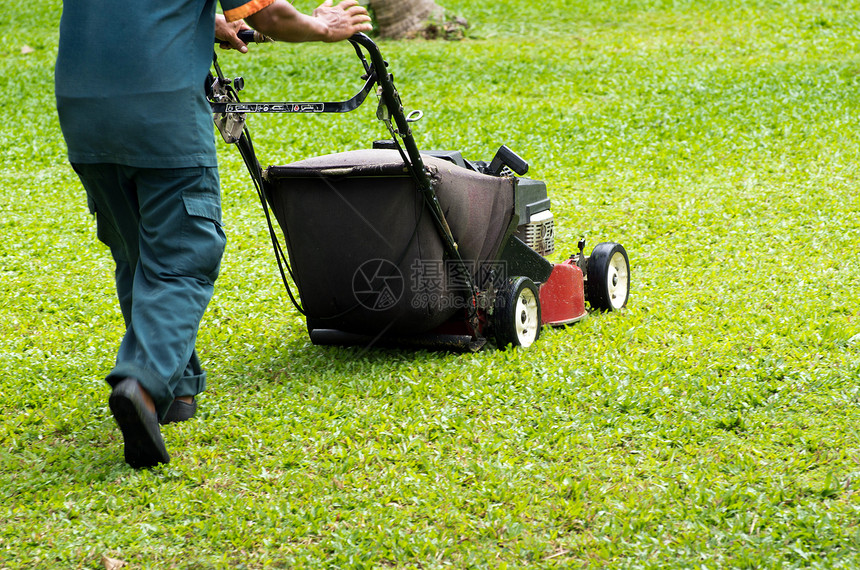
202,231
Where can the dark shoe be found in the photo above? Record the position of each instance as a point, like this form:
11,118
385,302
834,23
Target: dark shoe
144,446
180,411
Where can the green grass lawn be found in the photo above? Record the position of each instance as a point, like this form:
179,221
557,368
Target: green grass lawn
711,424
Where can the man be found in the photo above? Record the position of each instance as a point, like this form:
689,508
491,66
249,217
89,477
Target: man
129,86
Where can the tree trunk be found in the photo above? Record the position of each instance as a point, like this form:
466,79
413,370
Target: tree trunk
403,18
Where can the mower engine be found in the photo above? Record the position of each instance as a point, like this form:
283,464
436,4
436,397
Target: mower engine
537,227
539,233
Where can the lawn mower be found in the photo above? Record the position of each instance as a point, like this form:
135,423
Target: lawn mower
391,245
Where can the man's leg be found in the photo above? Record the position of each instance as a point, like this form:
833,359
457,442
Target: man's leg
163,228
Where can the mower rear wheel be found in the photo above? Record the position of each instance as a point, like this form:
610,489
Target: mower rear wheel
607,284
516,316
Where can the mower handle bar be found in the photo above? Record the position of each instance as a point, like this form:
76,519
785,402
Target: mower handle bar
376,73
371,78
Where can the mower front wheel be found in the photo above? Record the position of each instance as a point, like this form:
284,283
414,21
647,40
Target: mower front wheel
607,284
516,316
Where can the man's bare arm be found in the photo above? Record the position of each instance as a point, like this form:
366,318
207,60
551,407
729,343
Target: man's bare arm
329,23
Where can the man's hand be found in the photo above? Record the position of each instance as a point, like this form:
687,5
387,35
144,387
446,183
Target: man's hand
343,20
226,32
329,23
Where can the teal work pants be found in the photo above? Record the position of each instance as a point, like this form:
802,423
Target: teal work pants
163,228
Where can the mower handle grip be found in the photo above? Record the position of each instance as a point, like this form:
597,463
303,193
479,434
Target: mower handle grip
250,37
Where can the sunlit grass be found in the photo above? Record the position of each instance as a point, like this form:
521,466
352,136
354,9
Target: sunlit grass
711,424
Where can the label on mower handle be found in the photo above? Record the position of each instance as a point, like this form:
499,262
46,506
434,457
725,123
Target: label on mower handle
272,108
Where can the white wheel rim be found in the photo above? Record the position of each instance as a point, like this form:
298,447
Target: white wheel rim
526,317
618,280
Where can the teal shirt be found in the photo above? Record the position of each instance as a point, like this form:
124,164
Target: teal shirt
130,81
